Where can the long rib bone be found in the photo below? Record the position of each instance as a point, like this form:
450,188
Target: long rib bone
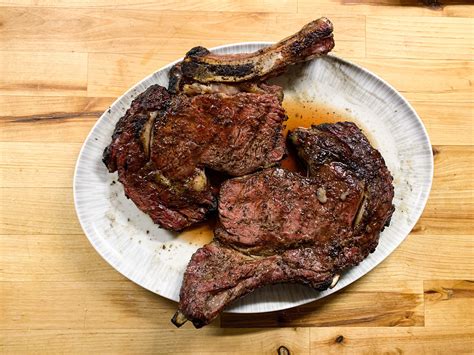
313,40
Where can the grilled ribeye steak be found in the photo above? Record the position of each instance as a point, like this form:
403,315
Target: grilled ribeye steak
277,226
164,143
202,66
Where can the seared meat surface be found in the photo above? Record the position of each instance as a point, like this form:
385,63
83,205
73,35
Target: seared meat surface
277,226
276,210
213,118
164,143
236,134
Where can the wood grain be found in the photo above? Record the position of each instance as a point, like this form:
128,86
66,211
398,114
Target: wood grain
361,304
165,341
449,302
62,63
38,211
416,340
406,37
33,73
37,164
449,80
182,5
106,305
457,8
413,260
395,8
446,121
57,257
164,32
49,119
112,74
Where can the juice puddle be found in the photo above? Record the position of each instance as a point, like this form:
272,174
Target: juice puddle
200,234
300,114
306,113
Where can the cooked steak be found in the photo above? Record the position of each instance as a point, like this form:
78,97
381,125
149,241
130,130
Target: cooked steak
164,143
167,141
200,65
277,226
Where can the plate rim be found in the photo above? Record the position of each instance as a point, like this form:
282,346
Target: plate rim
423,203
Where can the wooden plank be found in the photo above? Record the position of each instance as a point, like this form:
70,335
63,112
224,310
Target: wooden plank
171,32
353,7
52,258
103,305
153,340
387,7
33,73
89,304
409,37
449,303
448,176
30,109
49,119
453,258
37,164
110,75
430,80
447,123
360,304
38,211
182,5
415,340
431,224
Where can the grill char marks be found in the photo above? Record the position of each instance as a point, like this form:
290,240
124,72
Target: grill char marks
219,114
235,134
276,226
200,65
162,145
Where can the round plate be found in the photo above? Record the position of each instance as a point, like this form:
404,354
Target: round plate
156,259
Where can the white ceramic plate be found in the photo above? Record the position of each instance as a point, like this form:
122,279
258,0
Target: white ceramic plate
156,259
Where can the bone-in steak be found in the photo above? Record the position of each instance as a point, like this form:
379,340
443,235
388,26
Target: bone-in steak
277,226
164,143
219,115
200,65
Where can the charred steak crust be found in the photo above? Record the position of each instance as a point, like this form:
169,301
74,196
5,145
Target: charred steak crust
344,142
276,226
218,115
129,154
164,143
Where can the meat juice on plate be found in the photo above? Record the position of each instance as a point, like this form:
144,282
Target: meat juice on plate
300,114
199,234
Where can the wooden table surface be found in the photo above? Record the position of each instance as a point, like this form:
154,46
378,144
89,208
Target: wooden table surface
63,62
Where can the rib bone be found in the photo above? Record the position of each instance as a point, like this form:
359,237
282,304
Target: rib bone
179,319
200,65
